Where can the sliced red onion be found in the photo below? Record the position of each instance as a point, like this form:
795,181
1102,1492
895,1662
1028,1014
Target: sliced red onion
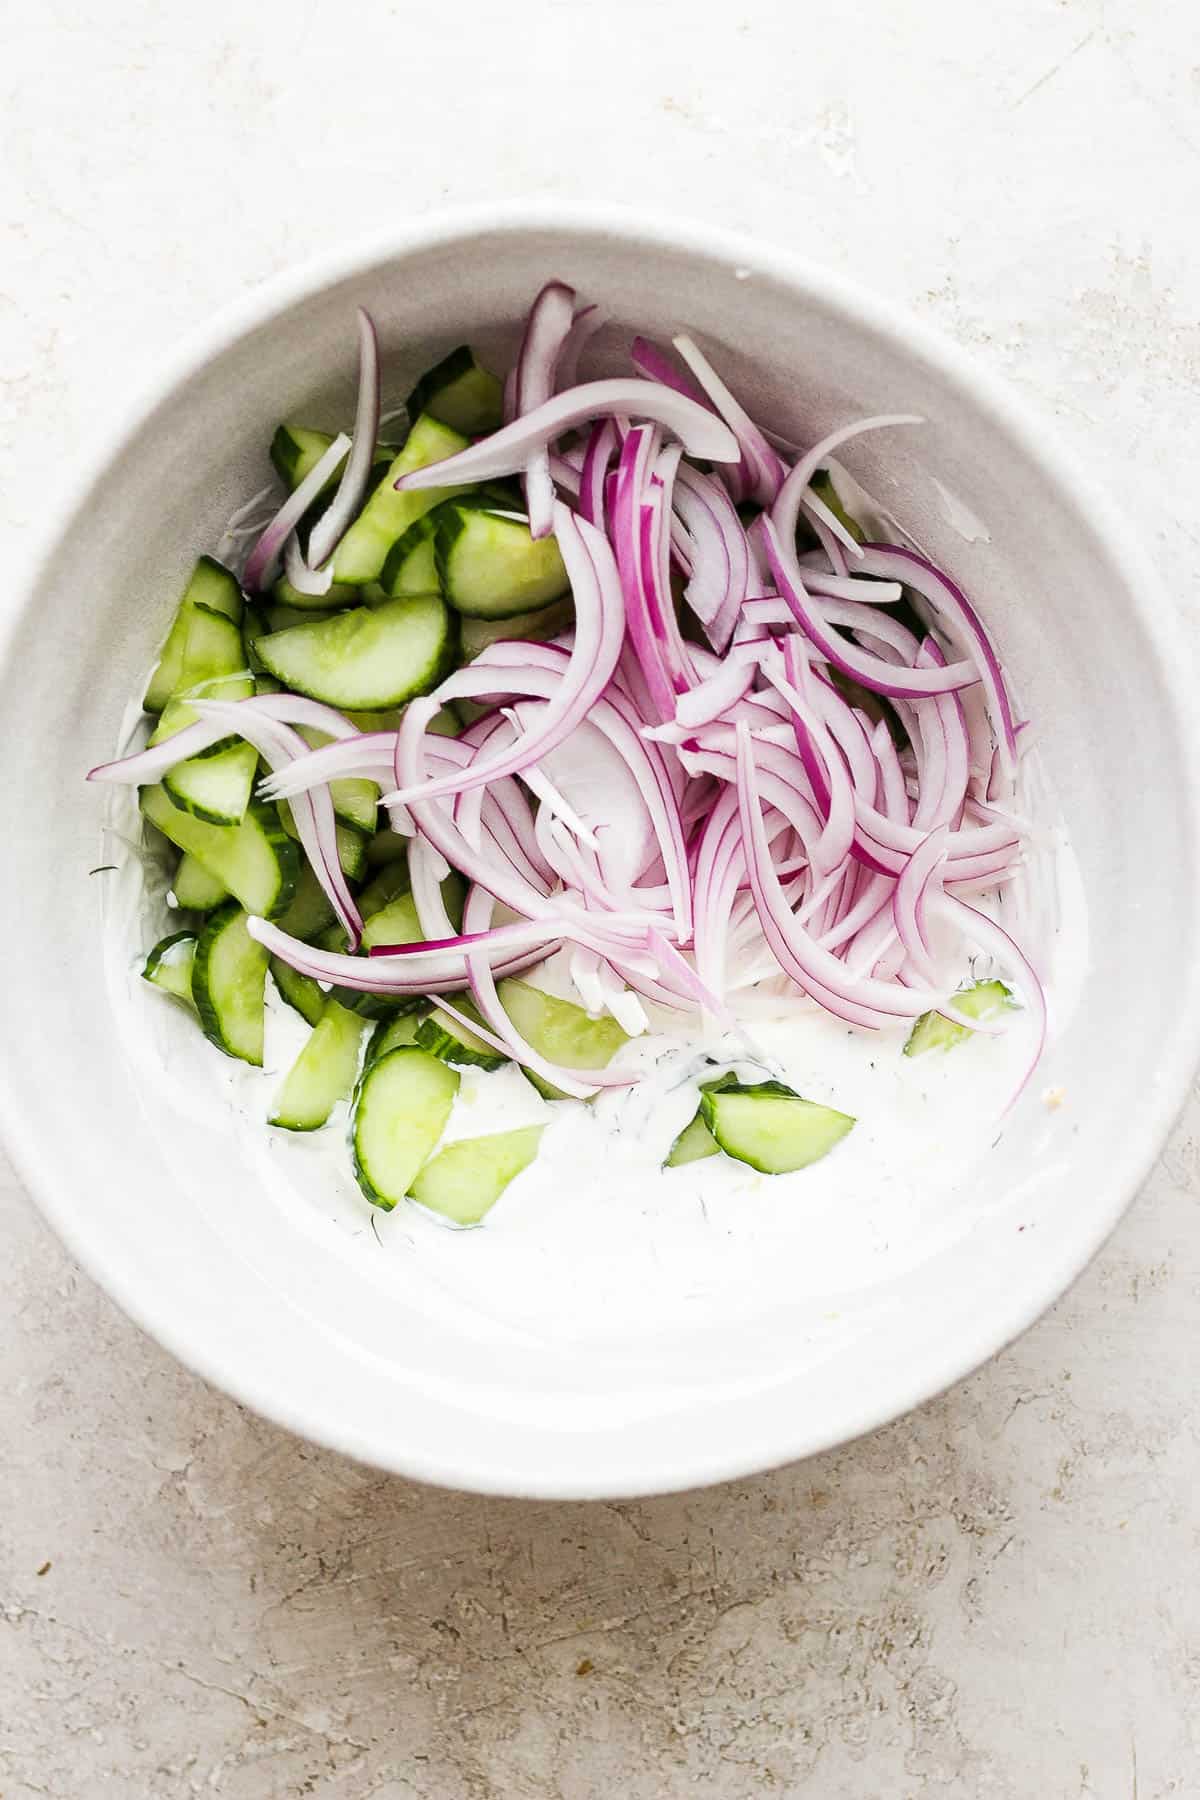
764,468
795,491
507,451
546,332
721,564
880,677
263,559
333,524
584,326
961,624
602,445
908,904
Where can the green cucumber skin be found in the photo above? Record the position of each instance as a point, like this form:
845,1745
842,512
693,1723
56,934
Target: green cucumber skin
823,1126
373,1090
393,1034
172,976
214,1009
212,586
458,391
982,1000
301,992
695,1143
242,765
442,1037
324,1072
301,656
388,513
216,842
194,888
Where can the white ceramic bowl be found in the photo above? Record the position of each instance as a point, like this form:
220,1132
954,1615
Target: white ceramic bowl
375,1354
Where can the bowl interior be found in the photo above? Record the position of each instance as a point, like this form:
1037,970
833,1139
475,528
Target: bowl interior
424,1355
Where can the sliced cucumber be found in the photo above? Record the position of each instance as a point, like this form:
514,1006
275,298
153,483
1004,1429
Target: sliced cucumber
302,993
390,921
461,393
194,888
213,664
228,982
385,718
369,656
217,784
324,1072
388,514
308,912
354,799
296,450
560,1031
445,1037
351,844
410,566
693,1144
211,586
169,965
282,618
392,1034
256,860
490,566
254,626
822,486
404,1100
337,594
385,847
982,1000
530,627
768,1125
464,1181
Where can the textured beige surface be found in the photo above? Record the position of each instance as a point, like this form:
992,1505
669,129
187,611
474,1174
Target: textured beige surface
994,1598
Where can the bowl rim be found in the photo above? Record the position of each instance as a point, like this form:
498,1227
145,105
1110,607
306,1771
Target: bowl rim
679,1465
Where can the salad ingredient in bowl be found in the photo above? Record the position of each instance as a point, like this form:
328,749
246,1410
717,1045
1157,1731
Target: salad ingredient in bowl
573,713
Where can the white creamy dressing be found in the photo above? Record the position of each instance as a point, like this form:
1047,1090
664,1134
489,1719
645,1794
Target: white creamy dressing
595,1237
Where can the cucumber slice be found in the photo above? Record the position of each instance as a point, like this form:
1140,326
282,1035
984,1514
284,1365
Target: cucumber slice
490,566
308,912
388,514
410,566
461,393
213,663
768,1125
445,1037
217,784
530,627
354,799
337,594
351,844
282,618
169,965
822,486
228,982
302,993
368,656
296,450
385,718
254,626
694,1143
464,1181
194,888
392,921
404,1100
324,1072
256,860
982,1000
560,1031
385,847
385,885
212,586
392,1034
